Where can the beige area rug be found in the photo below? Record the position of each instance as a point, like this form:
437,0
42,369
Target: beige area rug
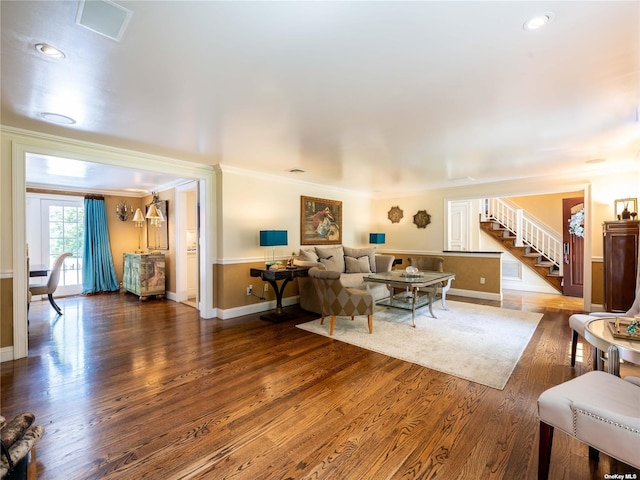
475,342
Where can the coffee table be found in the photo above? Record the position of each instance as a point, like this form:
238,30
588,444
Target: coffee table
410,298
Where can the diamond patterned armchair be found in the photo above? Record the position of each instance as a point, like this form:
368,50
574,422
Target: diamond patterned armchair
338,300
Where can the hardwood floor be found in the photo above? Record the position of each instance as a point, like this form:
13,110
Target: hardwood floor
151,391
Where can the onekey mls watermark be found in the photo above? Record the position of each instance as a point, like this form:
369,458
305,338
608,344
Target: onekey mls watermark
621,476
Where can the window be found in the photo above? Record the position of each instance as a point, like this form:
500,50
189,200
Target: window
66,233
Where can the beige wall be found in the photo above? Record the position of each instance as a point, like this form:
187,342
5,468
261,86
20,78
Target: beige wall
6,246
468,269
546,208
6,312
597,283
169,255
123,236
249,204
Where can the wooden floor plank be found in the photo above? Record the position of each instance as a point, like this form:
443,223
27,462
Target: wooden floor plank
149,390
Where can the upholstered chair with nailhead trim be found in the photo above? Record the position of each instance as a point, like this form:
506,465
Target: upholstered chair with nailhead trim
598,409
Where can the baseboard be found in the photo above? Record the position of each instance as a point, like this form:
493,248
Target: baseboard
264,306
255,308
475,294
6,354
171,296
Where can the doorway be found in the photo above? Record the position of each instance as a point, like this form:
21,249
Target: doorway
105,156
187,244
573,246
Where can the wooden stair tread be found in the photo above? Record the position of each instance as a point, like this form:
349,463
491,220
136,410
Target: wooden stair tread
546,269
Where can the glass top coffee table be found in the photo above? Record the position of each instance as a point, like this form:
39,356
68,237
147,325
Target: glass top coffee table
404,289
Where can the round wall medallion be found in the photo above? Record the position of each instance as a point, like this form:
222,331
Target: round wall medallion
395,214
422,219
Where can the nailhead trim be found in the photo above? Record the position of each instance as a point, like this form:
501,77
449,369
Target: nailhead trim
602,419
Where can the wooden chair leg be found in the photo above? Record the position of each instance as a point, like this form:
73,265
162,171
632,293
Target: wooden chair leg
322,318
574,347
544,450
370,320
333,324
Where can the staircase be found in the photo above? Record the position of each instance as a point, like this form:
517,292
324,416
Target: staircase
527,239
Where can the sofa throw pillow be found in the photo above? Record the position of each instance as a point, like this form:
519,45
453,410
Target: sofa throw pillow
308,255
331,257
359,252
357,265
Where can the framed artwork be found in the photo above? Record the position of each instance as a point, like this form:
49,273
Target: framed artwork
158,230
320,221
625,207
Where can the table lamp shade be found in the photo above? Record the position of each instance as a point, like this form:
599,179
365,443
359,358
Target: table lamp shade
376,238
273,238
138,217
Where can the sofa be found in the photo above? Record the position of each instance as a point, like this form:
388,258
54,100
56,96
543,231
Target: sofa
353,264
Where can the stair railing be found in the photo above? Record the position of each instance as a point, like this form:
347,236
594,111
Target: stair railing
527,229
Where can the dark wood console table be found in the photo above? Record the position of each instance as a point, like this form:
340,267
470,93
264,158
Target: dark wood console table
273,276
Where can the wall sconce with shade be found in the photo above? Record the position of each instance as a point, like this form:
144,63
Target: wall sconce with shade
138,219
154,215
123,211
273,238
377,238
157,230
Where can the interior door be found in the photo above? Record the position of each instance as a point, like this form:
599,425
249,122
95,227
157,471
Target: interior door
573,244
459,226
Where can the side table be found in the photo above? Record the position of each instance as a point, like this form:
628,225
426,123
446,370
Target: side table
597,333
273,276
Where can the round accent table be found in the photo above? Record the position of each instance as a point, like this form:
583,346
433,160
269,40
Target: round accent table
598,334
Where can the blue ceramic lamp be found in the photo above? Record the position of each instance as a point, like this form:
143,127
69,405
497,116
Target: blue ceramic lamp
273,238
377,238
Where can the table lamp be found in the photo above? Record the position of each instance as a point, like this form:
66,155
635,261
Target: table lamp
273,238
377,238
138,218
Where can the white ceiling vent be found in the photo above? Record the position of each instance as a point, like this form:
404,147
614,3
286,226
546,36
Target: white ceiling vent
103,17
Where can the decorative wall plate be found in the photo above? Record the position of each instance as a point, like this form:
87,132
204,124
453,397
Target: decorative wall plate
422,219
395,214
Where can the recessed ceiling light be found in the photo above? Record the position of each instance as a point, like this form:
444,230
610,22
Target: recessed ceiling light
57,118
49,50
297,170
596,160
538,21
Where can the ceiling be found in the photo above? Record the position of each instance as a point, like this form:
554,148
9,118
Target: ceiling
378,96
